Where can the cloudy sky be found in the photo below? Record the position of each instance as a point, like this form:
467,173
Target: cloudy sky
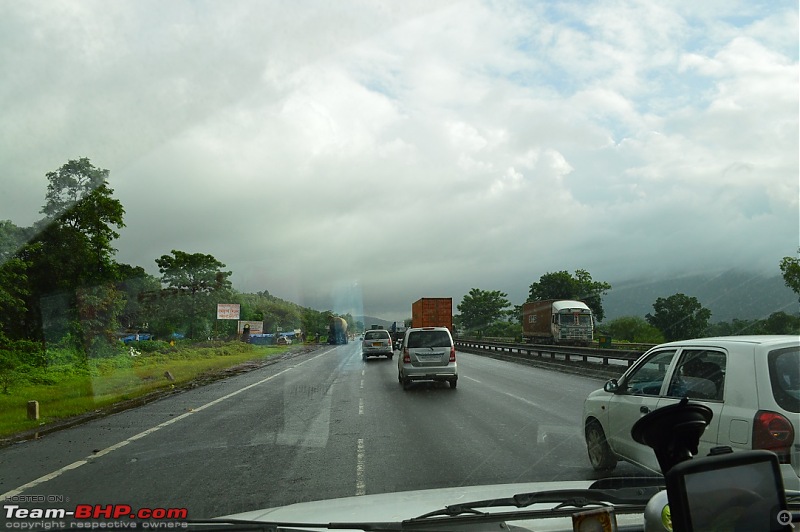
358,155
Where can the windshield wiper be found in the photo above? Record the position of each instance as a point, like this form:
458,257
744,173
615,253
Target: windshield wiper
621,492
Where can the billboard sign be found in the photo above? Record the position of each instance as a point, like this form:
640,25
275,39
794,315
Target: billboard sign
256,327
228,311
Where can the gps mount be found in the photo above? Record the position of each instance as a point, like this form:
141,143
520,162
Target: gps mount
673,432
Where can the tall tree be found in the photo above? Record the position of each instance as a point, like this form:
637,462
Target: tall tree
195,278
481,308
679,317
563,285
72,252
790,268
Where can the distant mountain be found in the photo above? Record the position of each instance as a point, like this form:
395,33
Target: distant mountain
369,321
729,295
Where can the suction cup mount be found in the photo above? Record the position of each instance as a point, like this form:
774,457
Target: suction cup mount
673,431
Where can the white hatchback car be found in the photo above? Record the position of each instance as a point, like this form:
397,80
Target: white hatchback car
751,383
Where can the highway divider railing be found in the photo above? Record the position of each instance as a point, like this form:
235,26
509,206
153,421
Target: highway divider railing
554,352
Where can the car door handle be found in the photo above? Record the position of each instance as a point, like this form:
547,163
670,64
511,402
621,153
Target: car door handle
644,410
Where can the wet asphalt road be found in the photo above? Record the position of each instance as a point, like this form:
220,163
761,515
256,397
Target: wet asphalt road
319,425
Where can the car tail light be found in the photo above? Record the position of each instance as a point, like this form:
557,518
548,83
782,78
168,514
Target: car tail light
773,432
406,356
452,354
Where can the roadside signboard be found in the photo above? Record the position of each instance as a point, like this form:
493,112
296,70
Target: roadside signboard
228,311
256,327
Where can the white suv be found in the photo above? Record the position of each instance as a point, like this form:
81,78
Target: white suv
751,383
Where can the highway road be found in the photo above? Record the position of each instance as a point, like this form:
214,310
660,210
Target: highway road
318,425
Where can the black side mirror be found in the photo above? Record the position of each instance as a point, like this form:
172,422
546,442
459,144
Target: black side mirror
611,386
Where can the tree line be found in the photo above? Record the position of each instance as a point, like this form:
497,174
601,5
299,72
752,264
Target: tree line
676,317
60,283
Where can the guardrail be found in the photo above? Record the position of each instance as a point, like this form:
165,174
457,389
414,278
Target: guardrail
624,346
554,352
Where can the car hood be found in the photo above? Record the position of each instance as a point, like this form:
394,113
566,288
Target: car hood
394,507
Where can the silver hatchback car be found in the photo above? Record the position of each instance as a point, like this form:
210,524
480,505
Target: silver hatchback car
377,342
428,355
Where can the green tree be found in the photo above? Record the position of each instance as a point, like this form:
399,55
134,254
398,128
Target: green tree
679,317
563,285
71,251
790,268
197,282
14,286
481,308
782,323
80,208
135,284
634,329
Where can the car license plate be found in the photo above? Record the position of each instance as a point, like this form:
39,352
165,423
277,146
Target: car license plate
376,344
428,358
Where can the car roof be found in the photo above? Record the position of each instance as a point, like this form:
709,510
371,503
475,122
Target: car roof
415,329
776,339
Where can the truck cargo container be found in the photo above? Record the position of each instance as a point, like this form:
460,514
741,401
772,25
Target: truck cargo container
433,312
337,331
557,321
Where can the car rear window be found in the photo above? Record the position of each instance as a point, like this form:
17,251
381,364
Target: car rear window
429,339
784,374
376,335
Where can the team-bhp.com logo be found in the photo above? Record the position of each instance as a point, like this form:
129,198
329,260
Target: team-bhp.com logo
94,511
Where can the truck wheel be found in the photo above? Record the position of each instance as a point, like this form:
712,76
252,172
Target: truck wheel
389,356
601,456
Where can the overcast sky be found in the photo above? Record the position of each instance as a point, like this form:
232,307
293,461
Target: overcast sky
360,155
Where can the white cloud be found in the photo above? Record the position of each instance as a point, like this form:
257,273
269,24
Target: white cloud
474,134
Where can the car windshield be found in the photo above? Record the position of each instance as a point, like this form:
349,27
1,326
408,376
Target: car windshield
208,206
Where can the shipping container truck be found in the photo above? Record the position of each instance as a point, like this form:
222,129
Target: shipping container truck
433,312
337,330
557,321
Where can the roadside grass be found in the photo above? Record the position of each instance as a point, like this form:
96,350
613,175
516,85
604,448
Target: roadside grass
109,381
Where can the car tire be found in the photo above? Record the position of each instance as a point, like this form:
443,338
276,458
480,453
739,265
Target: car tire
389,356
453,383
601,456
406,384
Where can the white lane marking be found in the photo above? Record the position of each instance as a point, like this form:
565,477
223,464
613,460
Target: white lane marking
362,384
361,483
517,397
521,399
363,372
123,443
361,406
543,432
